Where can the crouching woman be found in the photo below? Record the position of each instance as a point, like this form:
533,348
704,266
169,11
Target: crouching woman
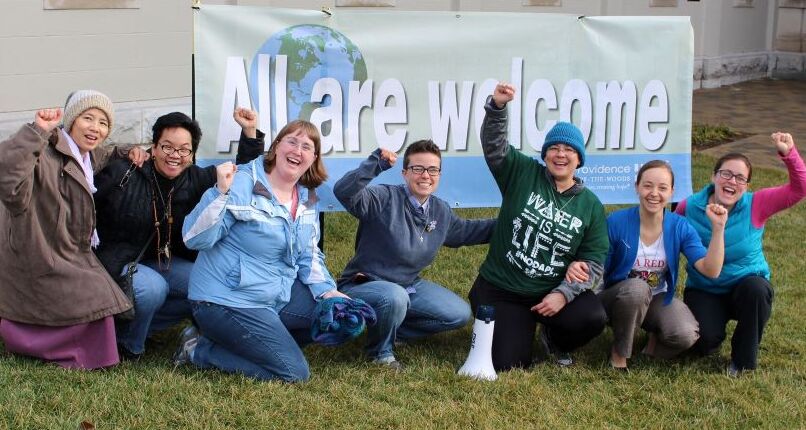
259,270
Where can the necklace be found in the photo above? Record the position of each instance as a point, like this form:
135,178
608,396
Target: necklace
163,250
428,226
557,203
422,232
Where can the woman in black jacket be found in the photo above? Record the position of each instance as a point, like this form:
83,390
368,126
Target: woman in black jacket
144,208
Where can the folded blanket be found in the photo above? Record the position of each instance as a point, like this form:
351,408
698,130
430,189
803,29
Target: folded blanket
339,319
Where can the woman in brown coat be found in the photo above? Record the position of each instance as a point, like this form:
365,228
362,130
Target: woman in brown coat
56,299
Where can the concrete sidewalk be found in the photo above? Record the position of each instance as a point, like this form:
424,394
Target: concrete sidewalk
758,108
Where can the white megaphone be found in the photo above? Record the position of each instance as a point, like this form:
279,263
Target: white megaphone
479,363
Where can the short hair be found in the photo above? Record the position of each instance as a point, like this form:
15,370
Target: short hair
734,156
652,165
419,147
177,120
316,174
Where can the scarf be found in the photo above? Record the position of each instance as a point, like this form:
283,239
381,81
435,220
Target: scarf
339,319
86,165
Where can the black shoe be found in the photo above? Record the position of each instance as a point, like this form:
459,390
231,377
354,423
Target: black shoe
563,359
126,355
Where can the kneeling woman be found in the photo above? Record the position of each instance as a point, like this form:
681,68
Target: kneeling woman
56,300
549,226
641,268
259,269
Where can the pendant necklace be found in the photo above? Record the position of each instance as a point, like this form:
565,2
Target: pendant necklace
557,203
163,250
426,226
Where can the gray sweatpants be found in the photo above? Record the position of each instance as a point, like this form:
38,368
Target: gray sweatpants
629,305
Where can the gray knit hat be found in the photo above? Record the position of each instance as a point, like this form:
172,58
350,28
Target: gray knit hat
81,100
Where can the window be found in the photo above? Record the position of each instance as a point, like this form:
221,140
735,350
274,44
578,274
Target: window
91,4
365,3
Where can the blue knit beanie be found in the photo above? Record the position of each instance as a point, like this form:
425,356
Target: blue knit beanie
567,133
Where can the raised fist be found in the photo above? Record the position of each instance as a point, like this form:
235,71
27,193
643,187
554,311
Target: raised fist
389,156
783,142
717,214
503,94
48,119
247,119
225,173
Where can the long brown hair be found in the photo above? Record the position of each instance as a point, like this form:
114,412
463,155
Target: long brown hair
316,174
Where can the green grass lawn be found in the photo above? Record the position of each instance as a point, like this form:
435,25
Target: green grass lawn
347,392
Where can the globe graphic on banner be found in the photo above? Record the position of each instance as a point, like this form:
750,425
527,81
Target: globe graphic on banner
313,52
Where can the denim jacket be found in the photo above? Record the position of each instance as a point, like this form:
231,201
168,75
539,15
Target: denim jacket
251,250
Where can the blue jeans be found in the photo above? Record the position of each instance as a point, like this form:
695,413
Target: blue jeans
431,309
160,301
257,342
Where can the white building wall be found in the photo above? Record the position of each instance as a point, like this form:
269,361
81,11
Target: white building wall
141,57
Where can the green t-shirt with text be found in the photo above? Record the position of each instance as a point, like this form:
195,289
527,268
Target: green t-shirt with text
540,231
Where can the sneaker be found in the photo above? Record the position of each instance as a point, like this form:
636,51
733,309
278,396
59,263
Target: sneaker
563,359
187,344
390,362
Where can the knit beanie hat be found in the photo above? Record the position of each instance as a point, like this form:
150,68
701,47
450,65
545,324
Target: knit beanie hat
81,100
567,133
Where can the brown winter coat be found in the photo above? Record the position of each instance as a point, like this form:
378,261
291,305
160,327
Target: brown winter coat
48,272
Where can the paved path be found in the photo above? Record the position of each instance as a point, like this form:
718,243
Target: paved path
757,108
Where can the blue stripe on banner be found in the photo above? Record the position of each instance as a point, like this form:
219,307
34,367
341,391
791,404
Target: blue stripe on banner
466,182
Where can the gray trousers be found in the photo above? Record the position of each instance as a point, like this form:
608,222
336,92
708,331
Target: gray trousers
629,305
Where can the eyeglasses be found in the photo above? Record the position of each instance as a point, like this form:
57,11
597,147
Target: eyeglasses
294,143
169,150
125,179
728,175
561,148
418,170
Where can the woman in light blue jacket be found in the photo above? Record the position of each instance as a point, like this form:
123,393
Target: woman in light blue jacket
259,271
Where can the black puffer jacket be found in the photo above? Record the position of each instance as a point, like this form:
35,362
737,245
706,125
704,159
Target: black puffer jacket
125,211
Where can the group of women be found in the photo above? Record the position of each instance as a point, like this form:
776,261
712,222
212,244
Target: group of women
718,229
235,247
